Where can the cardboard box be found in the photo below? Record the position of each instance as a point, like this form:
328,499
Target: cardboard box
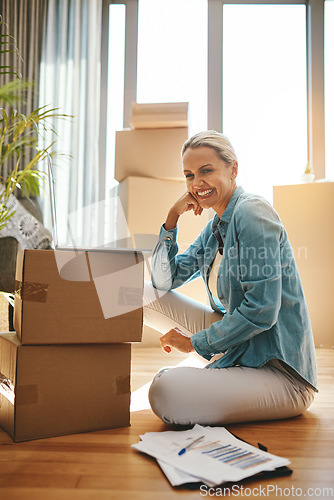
68,297
150,153
145,203
50,391
159,115
307,211
4,314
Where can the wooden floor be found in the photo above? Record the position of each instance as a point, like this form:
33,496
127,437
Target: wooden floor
102,465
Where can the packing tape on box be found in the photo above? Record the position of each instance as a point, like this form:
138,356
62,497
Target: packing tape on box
33,292
123,384
26,395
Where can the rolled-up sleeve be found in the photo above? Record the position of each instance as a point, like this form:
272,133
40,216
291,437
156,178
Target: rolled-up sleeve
170,270
163,259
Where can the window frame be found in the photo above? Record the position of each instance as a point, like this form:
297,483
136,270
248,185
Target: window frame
130,76
315,70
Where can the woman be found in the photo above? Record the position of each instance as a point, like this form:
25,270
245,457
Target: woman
259,324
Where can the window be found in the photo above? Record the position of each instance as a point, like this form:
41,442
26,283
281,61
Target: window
252,71
116,53
265,92
329,86
172,55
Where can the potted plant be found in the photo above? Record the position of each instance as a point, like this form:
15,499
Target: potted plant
19,133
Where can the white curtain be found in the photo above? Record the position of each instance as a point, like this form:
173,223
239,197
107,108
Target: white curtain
70,81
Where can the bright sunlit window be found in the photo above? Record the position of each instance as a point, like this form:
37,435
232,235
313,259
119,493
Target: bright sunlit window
116,51
172,55
264,80
329,86
264,92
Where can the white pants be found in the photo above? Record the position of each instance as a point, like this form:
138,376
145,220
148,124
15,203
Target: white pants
186,395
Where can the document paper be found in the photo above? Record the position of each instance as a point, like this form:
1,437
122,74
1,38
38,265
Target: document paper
217,457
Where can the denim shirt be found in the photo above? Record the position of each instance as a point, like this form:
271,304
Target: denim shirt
260,293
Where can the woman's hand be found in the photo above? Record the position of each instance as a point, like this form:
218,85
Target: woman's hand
178,339
184,204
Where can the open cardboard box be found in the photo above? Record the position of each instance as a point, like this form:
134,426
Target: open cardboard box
55,390
71,297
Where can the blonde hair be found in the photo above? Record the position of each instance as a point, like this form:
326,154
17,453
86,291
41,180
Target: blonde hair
214,140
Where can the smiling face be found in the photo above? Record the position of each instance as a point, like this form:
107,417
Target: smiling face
209,179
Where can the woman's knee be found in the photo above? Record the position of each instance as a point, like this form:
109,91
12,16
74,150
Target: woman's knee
168,393
160,394
186,395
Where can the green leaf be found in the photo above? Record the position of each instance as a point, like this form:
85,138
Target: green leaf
14,91
5,214
20,133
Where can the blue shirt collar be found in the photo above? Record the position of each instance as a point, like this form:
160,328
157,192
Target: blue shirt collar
226,217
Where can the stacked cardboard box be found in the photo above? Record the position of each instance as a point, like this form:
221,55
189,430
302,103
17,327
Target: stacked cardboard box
159,115
311,234
4,315
152,148
148,166
67,367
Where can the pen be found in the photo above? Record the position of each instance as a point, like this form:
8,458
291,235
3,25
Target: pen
190,445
